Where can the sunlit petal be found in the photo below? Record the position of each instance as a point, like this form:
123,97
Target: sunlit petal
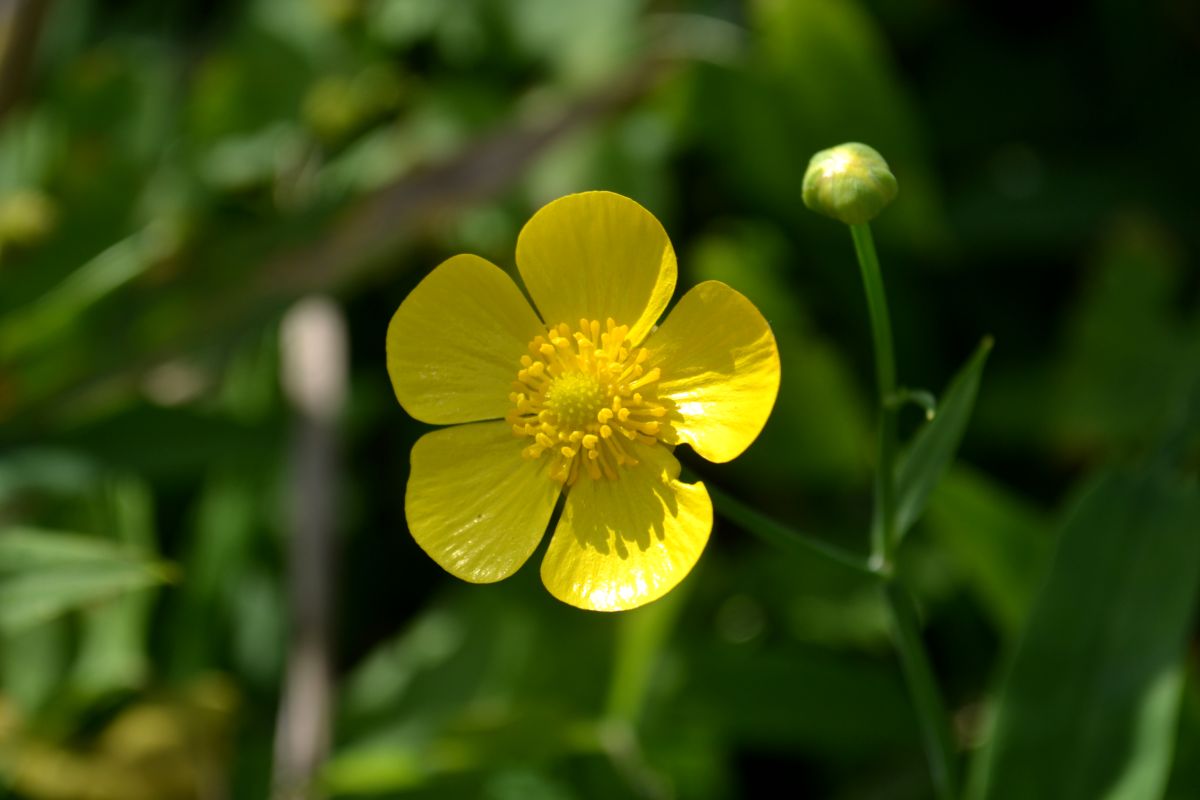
621,544
720,369
455,343
474,504
597,255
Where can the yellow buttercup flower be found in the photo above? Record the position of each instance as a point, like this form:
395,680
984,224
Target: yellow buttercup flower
588,400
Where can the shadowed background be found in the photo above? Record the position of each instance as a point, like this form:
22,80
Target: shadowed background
209,212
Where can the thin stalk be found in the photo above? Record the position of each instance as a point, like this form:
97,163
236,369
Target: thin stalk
314,354
642,636
931,711
883,538
781,536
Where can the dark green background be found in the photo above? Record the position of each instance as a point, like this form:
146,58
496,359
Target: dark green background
173,176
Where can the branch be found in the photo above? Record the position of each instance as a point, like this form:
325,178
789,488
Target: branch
20,29
314,355
380,222
368,231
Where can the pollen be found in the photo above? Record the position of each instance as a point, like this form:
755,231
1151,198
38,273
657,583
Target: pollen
583,396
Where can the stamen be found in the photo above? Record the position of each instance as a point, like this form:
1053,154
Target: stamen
576,390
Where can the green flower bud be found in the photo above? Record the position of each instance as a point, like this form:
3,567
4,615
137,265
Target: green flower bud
850,182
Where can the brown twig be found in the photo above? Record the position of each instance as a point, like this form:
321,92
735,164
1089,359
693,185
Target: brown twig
367,231
20,29
313,351
381,221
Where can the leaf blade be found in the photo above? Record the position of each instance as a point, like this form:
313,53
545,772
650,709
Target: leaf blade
1089,706
934,445
44,574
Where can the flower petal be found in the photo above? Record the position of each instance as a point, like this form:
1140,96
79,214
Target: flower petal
474,504
596,255
720,367
454,345
621,544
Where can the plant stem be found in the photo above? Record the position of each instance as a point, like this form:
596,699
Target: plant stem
883,540
931,711
779,535
314,354
641,637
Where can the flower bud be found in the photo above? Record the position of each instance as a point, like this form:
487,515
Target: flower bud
850,182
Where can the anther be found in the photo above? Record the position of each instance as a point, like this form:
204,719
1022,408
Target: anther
576,392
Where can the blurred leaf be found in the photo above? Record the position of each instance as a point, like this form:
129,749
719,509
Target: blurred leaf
44,321
1185,773
112,652
641,635
934,445
1127,350
239,163
255,80
583,41
47,573
216,555
164,442
167,748
1090,705
41,469
795,697
400,24
385,676
820,73
28,143
259,622
1000,542
1128,347
405,758
467,687
33,662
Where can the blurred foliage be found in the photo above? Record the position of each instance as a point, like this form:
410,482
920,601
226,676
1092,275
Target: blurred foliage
174,175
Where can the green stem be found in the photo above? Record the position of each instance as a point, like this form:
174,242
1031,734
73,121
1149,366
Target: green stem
781,536
883,539
931,711
641,637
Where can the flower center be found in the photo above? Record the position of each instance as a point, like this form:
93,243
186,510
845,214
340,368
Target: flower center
575,399
584,396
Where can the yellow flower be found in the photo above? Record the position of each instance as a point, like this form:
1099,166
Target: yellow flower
587,400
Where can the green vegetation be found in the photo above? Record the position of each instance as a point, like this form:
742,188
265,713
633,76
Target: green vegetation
210,211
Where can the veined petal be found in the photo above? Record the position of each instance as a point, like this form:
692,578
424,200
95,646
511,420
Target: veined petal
597,255
621,544
474,504
454,345
720,368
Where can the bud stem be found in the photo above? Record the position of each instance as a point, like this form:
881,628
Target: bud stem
931,709
883,519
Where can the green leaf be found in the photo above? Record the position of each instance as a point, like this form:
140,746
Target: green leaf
935,444
1000,542
39,325
112,651
1091,701
47,573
